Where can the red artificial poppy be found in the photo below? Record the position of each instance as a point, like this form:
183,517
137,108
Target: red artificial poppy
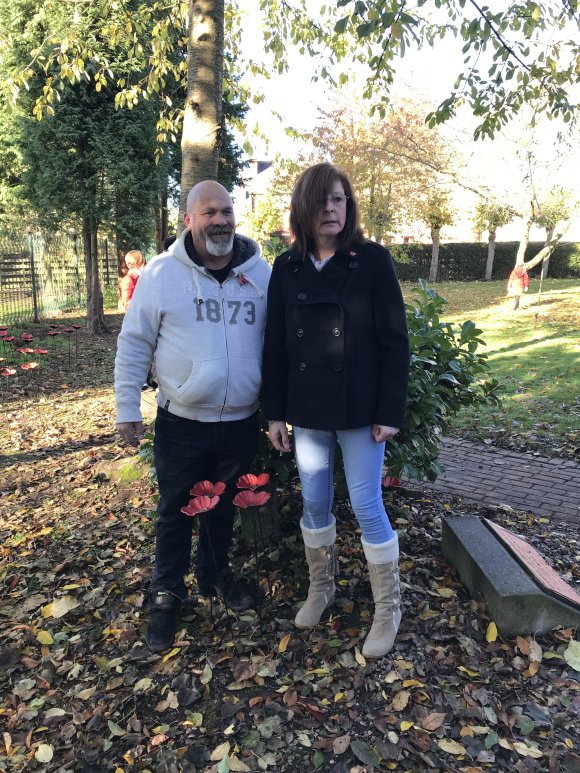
54,332
200,505
39,351
206,488
68,330
243,279
26,350
29,365
8,371
248,498
77,327
253,481
389,480
9,338
53,325
26,337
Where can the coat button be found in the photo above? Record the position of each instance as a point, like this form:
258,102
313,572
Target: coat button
353,264
336,332
300,332
302,296
337,367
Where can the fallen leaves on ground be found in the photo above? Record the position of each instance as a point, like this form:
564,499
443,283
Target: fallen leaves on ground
81,691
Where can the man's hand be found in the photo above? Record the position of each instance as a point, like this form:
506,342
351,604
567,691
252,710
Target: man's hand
381,433
131,432
278,434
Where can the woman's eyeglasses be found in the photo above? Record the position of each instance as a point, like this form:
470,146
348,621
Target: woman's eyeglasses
336,199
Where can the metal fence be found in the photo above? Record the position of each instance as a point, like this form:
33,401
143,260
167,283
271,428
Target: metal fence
42,275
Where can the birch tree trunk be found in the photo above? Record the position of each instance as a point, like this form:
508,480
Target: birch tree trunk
490,254
202,120
549,246
546,261
435,236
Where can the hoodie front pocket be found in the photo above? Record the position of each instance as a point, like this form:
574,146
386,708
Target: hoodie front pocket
205,385
244,382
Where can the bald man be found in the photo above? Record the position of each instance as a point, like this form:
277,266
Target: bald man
200,309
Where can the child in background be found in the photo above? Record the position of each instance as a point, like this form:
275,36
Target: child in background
518,283
135,261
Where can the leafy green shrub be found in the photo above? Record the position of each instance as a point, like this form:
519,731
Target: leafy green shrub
447,374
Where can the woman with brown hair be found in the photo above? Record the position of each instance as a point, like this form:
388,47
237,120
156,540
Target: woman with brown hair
336,361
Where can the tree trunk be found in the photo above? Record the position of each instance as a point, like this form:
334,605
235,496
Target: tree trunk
95,314
525,240
435,233
202,119
546,261
548,248
490,254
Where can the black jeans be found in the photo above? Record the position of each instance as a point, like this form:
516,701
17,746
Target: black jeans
186,452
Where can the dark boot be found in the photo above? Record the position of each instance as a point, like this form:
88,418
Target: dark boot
163,613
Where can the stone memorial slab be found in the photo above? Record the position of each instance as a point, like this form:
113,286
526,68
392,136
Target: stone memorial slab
516,600
534,564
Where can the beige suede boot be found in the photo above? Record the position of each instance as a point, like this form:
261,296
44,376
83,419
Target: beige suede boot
319,549
383,564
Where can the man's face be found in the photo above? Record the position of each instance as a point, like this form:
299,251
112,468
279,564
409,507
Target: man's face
212,224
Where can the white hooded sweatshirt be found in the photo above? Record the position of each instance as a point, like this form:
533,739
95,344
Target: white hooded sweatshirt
207,338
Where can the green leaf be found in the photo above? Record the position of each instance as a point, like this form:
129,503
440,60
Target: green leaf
318,759
365,753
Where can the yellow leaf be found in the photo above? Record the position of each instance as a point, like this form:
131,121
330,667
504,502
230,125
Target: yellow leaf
413,683
44,637
468,671
405,725
446,593
359,657
401,700
491,634
339,696
86,694
284,641
527,751
220,751
59,607
569,743
451,747
171,654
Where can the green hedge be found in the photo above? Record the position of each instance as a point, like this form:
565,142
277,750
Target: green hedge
466,261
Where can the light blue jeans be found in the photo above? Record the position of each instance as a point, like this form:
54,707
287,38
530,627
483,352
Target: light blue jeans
363,465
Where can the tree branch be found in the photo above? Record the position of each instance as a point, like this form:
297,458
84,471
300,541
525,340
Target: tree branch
496,34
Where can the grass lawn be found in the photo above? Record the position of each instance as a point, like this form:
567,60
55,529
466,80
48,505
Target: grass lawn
534,353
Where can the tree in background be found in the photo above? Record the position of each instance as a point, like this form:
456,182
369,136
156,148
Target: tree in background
489,216
265,223
532,50
551,211
436,214
393,161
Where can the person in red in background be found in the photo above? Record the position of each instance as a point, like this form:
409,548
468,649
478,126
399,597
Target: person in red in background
135,261
518,283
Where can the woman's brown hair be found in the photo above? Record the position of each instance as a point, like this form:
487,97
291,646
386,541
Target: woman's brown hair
309,194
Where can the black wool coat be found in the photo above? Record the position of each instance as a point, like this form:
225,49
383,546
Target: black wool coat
336,351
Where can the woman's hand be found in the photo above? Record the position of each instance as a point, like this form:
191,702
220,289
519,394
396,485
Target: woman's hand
381,433
278,434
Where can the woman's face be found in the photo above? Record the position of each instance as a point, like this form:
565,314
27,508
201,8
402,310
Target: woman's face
330,217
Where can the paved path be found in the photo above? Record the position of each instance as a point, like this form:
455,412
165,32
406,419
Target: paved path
549,488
